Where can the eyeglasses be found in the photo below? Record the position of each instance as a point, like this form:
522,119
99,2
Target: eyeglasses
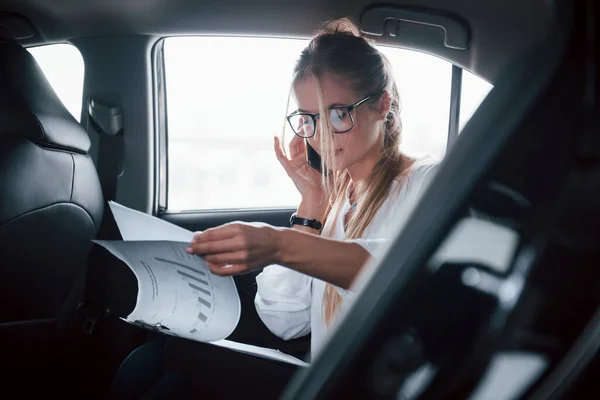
305,124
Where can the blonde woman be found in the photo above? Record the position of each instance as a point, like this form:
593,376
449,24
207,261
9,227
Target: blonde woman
349,112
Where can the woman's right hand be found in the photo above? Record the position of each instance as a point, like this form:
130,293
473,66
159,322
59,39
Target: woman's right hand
307,180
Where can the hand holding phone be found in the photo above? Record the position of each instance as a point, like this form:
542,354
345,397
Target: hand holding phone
305,176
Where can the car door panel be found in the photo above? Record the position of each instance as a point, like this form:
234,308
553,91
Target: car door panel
200,221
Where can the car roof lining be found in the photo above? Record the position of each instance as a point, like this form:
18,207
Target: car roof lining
499,31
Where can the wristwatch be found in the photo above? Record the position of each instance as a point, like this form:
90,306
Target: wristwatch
311,223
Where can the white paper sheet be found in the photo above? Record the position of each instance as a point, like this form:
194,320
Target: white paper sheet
177,290
263,352
135,225
178,310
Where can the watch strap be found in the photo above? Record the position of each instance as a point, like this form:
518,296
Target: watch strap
310,223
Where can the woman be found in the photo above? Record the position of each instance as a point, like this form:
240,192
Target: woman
349,112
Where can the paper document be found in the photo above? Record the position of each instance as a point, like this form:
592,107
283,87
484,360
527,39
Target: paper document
263,352
135,225
177,293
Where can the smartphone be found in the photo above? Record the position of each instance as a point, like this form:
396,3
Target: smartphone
312,157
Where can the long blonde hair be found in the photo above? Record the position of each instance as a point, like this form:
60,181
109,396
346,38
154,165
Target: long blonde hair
340,50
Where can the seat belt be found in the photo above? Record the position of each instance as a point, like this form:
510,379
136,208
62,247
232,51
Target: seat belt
110,161
106,119
96,332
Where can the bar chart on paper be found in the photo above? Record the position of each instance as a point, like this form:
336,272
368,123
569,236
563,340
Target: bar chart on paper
196,280
177,291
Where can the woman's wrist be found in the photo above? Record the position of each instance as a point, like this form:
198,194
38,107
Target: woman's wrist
310,211
312,208
288,243
279,244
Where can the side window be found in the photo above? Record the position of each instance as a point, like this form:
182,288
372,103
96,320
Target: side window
424,85
227,97
63,66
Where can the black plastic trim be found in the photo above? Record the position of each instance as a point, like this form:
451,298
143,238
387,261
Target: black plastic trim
161,150
376,21
455,93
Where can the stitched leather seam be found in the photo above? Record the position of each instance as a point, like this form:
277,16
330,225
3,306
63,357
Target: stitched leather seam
41,127
46,144
72,178
46,207
29,322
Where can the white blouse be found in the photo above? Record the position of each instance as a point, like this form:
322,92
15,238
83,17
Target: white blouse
290,303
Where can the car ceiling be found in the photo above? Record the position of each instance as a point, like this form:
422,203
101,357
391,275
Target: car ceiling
499,30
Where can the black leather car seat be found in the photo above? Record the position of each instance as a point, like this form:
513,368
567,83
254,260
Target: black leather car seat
51,202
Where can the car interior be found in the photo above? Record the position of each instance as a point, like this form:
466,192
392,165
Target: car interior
146,103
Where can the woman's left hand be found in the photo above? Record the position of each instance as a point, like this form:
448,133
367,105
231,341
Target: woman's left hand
238,247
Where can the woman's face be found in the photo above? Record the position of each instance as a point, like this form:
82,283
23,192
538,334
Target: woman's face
363,143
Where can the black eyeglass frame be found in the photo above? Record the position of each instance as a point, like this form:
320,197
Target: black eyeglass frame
314,117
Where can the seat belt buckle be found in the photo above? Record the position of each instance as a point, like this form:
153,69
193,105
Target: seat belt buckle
90,317
88,325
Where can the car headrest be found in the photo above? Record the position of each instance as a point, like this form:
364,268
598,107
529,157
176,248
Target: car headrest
30,108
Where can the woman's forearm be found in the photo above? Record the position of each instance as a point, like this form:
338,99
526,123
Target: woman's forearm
334,261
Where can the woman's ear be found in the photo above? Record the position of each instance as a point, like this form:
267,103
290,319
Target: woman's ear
384,105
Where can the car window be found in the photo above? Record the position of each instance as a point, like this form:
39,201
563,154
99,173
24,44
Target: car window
63,66
424,85
228,96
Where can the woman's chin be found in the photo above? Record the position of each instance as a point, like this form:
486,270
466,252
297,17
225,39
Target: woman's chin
340,164
340,167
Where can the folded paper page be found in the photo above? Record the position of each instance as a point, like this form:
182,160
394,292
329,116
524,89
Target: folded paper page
263,352
177,292
135,225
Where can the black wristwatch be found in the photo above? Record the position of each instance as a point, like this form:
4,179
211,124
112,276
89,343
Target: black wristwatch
311,223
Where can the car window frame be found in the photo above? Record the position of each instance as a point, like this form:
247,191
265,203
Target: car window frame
161,197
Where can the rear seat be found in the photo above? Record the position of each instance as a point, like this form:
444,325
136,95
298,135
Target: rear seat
51,206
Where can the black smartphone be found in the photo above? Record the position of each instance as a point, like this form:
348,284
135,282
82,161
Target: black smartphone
312,157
